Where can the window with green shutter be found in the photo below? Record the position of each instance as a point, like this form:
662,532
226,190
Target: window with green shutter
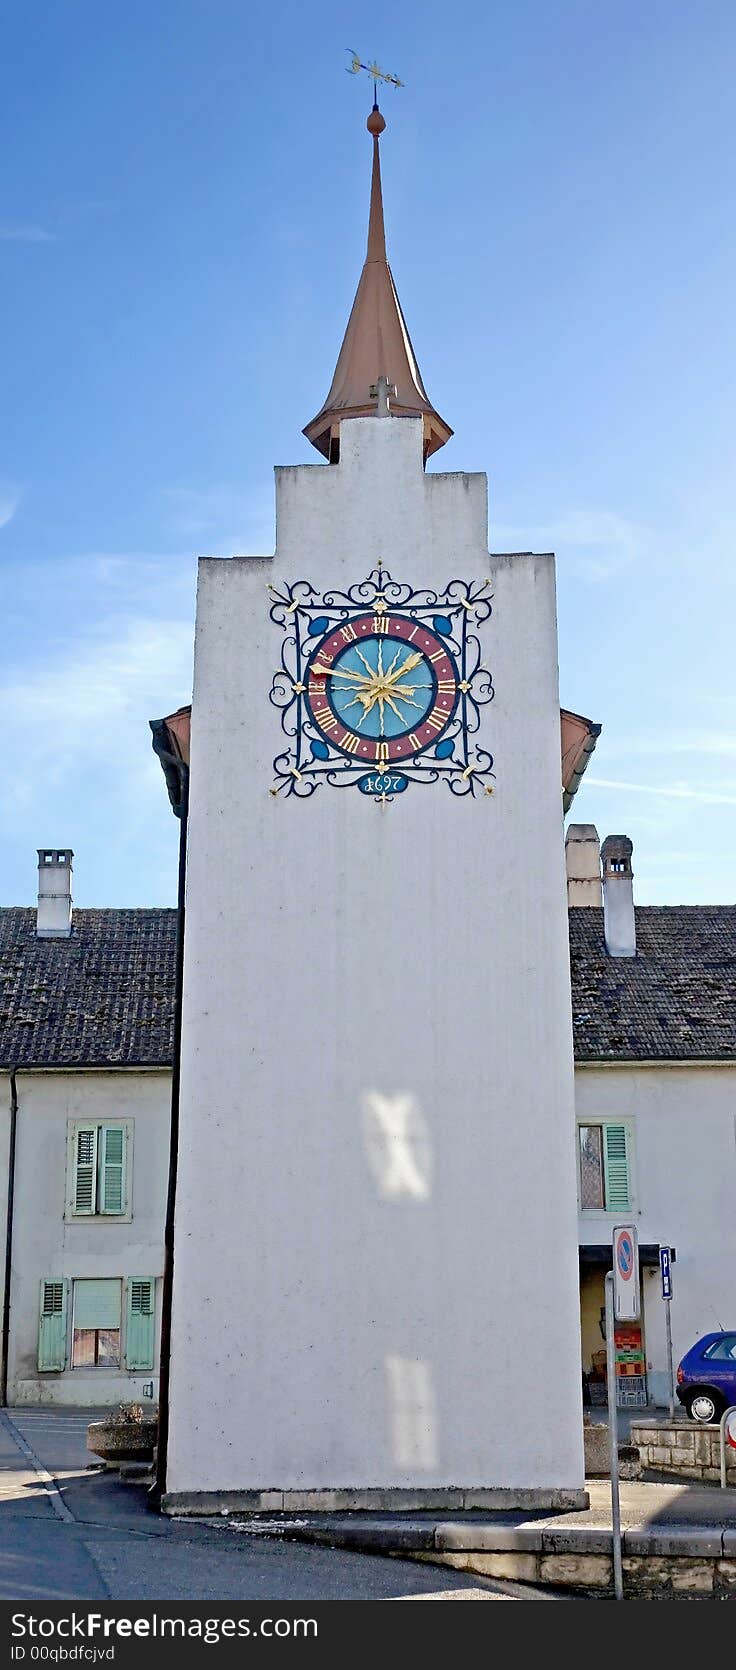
85,1176
616,1168
52,1326
604,1162
112,1169
99,1156
140,1322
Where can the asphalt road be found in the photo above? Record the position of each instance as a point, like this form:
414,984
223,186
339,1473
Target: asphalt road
93,1538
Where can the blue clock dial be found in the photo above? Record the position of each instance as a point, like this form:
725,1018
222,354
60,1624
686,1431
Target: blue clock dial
380,687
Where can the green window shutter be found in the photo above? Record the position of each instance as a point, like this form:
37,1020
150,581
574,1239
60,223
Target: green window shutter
112,1169
52,1325
616,1168
139,1334
85,1169
97,1304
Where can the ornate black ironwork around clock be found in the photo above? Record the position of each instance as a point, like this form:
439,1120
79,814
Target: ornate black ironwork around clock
381,686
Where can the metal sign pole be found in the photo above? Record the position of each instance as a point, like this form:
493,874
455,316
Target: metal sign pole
727,1438
668,1325
665,1270
618,1575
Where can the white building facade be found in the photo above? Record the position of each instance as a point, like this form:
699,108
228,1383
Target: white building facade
680,1125
85,1047
654,1021
376,1217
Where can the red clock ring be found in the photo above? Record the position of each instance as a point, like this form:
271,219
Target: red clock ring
370,751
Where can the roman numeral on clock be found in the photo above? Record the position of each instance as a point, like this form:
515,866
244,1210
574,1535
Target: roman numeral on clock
382,753
437,719
348,633
326,718
380,624
439,655
446,684
349,742
414,740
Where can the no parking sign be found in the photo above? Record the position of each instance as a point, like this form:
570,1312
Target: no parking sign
626,1273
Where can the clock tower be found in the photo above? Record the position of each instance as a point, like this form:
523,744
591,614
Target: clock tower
375,1275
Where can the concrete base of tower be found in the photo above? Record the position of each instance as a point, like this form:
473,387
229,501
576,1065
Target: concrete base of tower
206,1502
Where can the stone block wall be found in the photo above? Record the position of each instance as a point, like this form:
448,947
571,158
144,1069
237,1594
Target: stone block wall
691,1451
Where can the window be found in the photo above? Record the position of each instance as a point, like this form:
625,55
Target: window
98,1164
723,1349
604,1167
96,1328
96,1337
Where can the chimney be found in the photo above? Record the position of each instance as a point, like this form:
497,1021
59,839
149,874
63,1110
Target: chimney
619,923
54,918
583,864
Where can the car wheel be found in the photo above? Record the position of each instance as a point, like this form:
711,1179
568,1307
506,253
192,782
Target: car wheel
704,1407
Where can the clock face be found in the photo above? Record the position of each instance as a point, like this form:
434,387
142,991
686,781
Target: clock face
382,688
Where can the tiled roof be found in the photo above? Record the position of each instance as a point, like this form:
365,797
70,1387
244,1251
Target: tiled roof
674,1001
104,997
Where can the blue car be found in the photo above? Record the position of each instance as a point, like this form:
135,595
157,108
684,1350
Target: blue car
706,1377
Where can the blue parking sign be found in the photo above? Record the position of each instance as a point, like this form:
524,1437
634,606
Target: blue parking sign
665,1269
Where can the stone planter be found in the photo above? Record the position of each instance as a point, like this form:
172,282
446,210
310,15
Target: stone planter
597,1454
122,1440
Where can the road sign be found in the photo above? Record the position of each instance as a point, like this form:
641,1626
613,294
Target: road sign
665,1270
626,1273
728,1441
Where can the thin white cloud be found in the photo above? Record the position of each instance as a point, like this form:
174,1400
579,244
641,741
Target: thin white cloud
10,497
596,545
667,791
26,235
713,744
87,709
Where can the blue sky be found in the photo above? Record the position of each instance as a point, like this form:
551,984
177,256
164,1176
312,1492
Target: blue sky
182,225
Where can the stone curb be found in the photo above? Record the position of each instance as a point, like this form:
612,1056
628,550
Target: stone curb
678,1543
489,1538
665,1563
501,1500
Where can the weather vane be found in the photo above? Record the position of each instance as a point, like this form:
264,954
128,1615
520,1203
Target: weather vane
371,69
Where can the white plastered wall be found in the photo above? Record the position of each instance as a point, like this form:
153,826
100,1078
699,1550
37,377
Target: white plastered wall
349,973
48,1242
684,1187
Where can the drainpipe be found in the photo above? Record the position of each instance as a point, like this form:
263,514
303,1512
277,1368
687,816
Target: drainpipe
9,1238
167,1286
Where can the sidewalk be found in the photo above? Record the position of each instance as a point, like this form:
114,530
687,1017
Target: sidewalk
677,1539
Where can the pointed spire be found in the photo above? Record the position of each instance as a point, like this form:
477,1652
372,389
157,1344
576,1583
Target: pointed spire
376,232
376,348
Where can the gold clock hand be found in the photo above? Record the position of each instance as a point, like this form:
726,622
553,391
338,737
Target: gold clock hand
406,667
337,672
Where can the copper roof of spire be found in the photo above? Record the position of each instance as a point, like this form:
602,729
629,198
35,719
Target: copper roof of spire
376,343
